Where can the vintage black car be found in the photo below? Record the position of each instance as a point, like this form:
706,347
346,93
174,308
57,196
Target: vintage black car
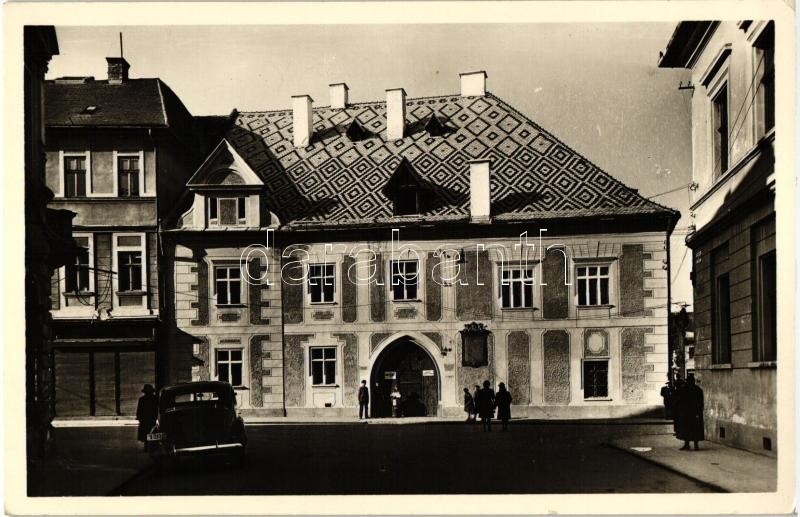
197,418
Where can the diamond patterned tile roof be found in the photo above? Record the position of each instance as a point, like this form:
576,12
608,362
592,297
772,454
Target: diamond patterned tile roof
336,181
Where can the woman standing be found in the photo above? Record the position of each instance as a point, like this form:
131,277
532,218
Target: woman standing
503,402
469,406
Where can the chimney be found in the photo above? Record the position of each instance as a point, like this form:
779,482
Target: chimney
473,84
302,120
479,191
117,70
395,114
339,95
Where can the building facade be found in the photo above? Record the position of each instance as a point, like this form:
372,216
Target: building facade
48,245
428,244
118,151
734,259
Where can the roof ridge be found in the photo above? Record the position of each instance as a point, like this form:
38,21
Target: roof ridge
564,144
363,103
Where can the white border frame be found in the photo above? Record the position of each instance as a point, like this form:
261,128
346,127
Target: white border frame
62,170
115,249
143,192
77,310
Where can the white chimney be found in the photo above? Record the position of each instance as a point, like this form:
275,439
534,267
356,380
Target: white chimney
479,191
473,84
395,113
302,119
339,95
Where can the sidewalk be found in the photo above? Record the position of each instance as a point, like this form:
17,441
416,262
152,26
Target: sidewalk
719,466
88,463
305,420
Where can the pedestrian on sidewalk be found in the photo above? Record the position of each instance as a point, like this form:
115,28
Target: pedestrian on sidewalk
667,393
469,406
363,401
485,404
503,403
689,415
146,413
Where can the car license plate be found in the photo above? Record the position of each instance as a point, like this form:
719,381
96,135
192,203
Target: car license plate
155,437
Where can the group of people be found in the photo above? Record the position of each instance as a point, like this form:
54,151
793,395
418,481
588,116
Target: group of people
483,403
684,403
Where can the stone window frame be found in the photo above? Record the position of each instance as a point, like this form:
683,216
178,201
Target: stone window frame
531,266
143,192
309,285
62,179
714,79
756,32
227,264
612,275
419,284
336,365
116,248
585,358
238,347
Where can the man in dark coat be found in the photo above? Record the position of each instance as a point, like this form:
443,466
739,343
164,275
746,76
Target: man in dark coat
667,395
485,405
146,412
363,400
503,402
689,414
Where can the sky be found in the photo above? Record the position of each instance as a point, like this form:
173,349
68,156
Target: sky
596,87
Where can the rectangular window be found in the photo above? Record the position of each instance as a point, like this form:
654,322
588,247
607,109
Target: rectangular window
766,318
765,76
595,379
722,320
75,176
130,271
593,285
720,131
404,280
322,282
128,176
516,288
227,211
77,272
228,284
323,365
229,366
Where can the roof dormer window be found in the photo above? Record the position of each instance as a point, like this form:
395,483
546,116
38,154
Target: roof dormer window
435,127
405,190
356,132
227,211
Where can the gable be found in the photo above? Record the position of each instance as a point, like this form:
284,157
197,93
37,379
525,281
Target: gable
224,167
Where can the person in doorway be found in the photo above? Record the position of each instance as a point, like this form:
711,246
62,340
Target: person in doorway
667,395
146,412
395,396
485,404
363,401
503,403
469,406
689,415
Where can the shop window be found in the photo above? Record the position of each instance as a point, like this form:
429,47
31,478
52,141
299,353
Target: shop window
322,283
229,366
593,285
323,365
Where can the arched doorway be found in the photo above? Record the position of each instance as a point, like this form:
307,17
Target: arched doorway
409,366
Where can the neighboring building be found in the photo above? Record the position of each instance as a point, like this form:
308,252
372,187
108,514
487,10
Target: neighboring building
118,152
48,244
325,188
733,121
